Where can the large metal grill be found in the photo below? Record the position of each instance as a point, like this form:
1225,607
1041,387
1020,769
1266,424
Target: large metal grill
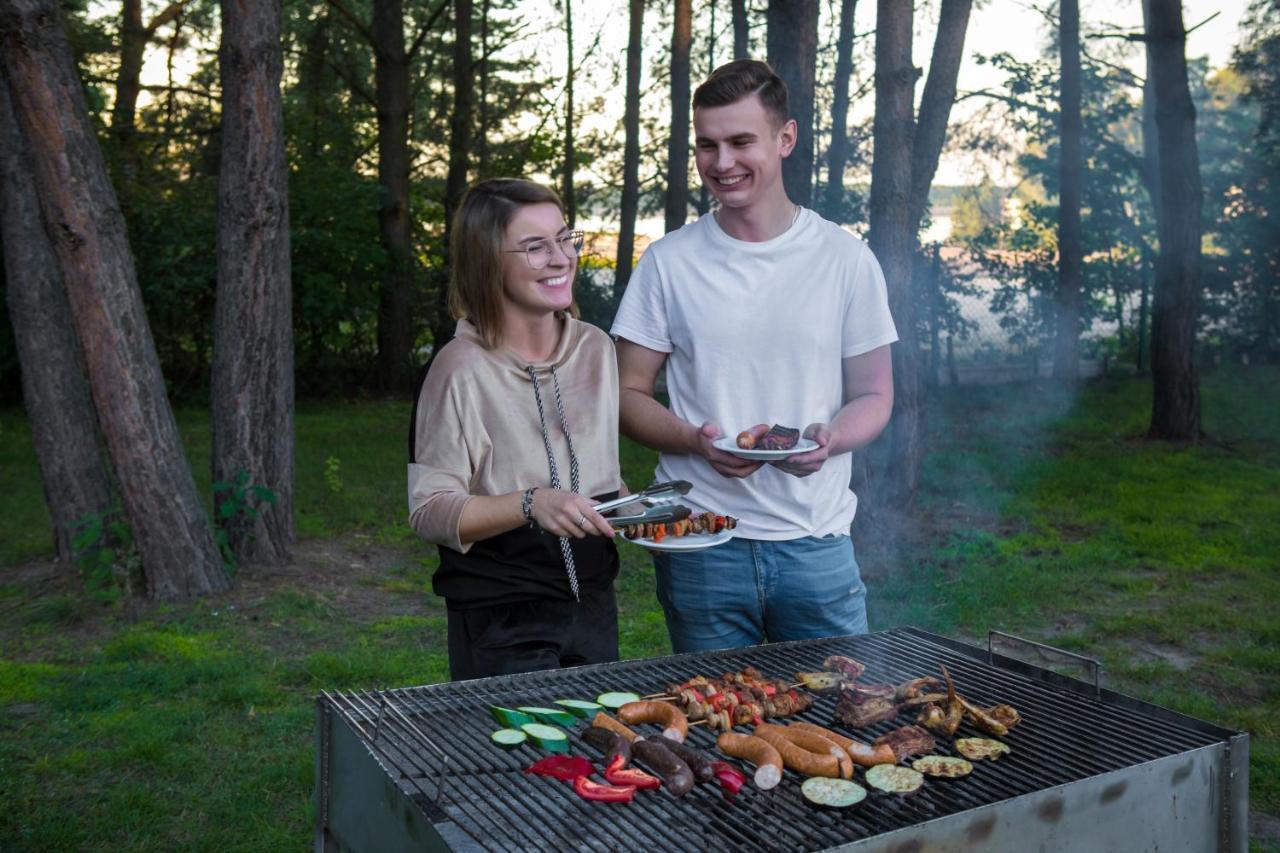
414,768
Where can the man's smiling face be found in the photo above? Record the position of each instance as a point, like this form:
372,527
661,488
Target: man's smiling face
739,150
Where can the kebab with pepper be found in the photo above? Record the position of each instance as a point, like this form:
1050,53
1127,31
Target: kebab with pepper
707,522
737,698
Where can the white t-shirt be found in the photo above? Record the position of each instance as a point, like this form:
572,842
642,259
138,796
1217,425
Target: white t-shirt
755,333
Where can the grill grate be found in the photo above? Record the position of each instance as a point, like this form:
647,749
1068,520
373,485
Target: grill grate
435,741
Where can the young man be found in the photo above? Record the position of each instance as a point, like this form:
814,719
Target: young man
763,312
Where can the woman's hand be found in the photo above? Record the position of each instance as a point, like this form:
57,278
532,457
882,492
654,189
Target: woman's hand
568,514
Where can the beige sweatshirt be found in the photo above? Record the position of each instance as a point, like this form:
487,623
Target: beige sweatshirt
478,430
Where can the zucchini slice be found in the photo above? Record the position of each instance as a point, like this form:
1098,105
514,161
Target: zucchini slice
508,718
508,738
942,766
978,748
893,779
547,737
580,708
615,700
832,793
555,716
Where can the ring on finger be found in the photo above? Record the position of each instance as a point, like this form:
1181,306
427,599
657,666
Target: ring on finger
582,521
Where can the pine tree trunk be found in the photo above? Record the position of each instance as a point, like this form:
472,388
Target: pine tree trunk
253,318
630,154
893,240
395,298
792,47
741,32
1175,411
570,203
1066,351
64,426
838,152
677,206
460,141
178,552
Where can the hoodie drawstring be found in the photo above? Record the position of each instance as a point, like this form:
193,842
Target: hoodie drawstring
551,461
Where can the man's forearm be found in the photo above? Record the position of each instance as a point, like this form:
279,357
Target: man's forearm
859,422
645,420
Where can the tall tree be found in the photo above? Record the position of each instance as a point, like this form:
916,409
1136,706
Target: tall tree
677,202
77,204
570,204
890,235
460,139
1066,350
135,35
792,48
1175,410
630,154
253,317
905,159
838,150
741,31
63,424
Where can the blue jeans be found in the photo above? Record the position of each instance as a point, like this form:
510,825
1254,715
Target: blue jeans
749,590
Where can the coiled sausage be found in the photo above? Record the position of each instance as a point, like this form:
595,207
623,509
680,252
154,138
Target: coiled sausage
759,752
675,724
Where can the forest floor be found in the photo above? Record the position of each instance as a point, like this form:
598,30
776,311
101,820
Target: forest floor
150,726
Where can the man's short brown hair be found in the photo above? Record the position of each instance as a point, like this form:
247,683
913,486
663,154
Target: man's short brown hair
741,78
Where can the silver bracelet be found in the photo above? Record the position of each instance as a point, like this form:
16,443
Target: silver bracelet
526,504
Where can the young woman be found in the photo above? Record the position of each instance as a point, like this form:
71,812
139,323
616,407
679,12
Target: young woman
515,439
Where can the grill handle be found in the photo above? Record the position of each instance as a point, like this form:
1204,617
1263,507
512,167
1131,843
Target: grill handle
1084,662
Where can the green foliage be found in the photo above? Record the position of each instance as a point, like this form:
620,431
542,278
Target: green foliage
234,501
109,560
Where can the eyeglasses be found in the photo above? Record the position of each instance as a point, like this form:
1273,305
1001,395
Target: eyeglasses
539,252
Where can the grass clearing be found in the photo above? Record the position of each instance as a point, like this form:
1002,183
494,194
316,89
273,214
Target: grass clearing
1043,513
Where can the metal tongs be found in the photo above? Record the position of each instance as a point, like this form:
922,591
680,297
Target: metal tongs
655,499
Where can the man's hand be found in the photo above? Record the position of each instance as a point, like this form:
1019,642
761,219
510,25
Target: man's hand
726,464
804,464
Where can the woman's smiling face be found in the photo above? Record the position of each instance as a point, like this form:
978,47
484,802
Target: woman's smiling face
538,291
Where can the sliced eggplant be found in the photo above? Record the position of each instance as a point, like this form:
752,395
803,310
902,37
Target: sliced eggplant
510,718
546,737
942,766
508,738
979,748
580,707
893,779
616,699
832,793
551,716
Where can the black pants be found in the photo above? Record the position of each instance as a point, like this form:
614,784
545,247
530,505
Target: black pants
532,635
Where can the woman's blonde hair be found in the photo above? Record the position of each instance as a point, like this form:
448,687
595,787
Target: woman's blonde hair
476,250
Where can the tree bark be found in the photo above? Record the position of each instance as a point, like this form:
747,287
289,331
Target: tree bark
570,205
253,315
630,154
741,45
677,206
64,426
893,240
395,298
134,38
78,206
935,103
1066,350
792,48
838,151
1150,137
1175,411
460,121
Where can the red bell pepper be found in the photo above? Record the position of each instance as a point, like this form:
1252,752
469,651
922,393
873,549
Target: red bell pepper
589,790
565,767
619,774
731,779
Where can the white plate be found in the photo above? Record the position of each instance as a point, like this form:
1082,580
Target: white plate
691,542
730,445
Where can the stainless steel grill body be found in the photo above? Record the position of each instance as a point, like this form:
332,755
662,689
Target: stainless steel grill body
1091,770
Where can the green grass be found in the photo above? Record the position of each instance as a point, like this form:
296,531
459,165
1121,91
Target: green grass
1043,513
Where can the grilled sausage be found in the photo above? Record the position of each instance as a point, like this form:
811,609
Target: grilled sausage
817,744
675,724
864,755
676,775
759,752
746,439
797,758
699,762
609,742
604,721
